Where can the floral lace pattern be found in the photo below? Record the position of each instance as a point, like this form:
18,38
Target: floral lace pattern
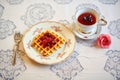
112,65
108,1
88,43
114,28
88,6
63,1
38,12
6,28
64,22
14,2
1,10
33,11
7,70
67,70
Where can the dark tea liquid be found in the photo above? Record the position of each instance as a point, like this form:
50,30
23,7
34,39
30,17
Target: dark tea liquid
87,18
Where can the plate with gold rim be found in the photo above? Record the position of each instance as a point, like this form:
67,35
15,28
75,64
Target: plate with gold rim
57,56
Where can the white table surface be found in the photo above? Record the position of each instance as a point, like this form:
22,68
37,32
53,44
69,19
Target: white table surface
86,63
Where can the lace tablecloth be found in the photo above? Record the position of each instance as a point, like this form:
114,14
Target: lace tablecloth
86,62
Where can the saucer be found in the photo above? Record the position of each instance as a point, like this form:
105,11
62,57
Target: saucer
91,35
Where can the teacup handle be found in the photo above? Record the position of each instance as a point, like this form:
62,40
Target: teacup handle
102,21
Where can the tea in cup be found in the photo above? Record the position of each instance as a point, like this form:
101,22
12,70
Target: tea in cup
88,19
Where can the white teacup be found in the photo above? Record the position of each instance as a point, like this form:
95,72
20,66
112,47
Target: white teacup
88,14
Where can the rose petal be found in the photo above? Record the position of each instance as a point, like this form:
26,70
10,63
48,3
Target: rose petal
104,41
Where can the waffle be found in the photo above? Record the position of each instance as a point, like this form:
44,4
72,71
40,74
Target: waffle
47,42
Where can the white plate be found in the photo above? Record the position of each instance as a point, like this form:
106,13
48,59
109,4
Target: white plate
59,55
92,35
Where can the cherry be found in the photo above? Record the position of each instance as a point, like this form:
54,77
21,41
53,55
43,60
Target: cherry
48,40
48,44
84,18
48,35
43,37
53,42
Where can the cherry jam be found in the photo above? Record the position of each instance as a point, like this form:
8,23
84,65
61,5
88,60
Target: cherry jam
48,40
87,18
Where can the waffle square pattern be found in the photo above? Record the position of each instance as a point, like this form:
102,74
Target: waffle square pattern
47,42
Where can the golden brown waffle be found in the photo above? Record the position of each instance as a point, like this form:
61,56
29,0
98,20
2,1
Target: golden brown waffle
47,42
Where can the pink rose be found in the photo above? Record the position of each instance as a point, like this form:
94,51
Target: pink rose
104,41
